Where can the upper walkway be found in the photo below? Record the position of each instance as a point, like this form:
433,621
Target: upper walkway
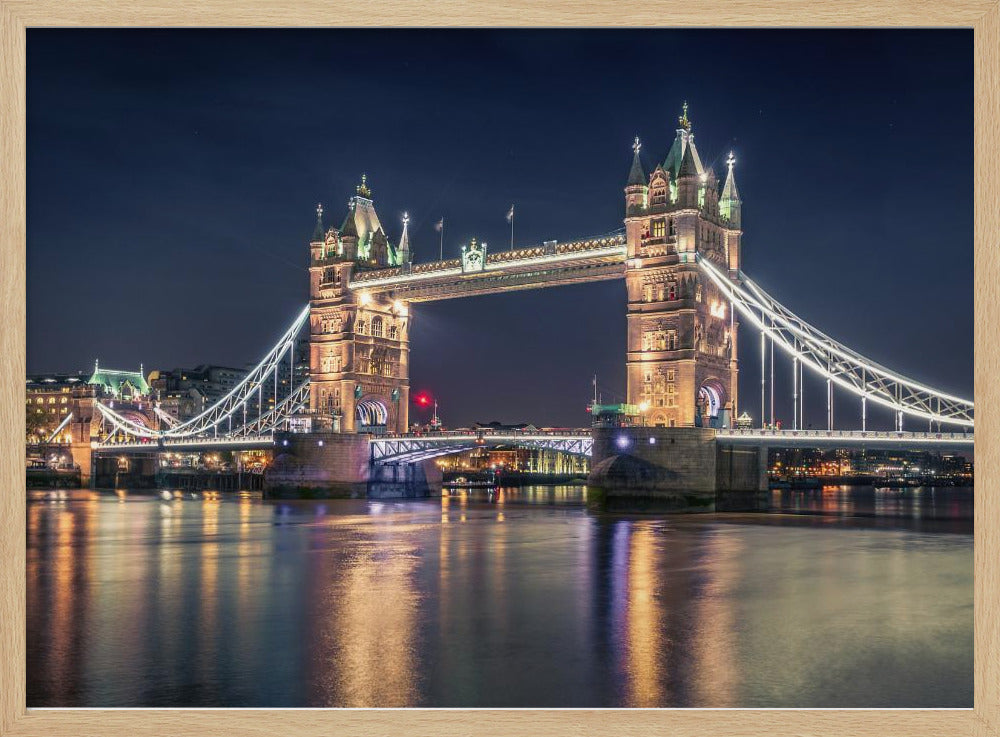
549,264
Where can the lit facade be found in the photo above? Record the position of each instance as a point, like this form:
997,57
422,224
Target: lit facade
682,357
359,348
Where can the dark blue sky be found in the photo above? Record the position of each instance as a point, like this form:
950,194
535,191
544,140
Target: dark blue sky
172,178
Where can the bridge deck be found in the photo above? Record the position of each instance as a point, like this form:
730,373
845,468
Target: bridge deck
397,448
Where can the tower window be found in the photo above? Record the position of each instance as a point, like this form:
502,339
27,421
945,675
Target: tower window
377,327
659,228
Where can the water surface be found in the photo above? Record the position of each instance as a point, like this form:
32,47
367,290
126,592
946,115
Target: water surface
846,598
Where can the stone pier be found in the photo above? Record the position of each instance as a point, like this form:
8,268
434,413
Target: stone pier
683,469
330,465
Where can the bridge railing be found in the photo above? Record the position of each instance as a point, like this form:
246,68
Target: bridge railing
473,432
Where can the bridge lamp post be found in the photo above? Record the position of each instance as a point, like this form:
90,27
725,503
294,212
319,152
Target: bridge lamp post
643,408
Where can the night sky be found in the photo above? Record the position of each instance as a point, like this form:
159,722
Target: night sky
173,177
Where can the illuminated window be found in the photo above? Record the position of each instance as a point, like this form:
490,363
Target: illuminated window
393,333
360,328
672,291
647,293
671,340
659,228
377,327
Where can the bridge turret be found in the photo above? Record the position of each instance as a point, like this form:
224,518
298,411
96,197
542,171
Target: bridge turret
688,180
403,253
637,187
681,360
730,206
349,232
731,214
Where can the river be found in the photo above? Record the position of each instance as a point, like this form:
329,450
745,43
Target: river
841,597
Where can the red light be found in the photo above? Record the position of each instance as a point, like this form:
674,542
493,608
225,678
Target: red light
423,400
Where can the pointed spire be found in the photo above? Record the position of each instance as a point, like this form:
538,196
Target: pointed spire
404,240
730,206
683,119
350,227
318,233
636,175
729,191
688,167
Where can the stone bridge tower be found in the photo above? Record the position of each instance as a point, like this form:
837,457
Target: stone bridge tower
682,359
359,343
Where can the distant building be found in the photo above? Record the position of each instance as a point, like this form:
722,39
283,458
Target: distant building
49,398
185,393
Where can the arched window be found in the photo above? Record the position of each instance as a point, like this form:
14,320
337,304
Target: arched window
377,327
393,332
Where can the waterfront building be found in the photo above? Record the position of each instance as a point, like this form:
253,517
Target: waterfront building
50,398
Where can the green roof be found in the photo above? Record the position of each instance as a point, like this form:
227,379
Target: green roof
114,382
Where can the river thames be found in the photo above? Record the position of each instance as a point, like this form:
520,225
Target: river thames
841,597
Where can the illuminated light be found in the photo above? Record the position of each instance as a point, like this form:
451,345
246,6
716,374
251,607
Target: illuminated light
401,308
364,298
718,309
284,442
622,441
643,406
320,443
652,441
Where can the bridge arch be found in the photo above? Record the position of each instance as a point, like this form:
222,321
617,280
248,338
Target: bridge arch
711,397
372,414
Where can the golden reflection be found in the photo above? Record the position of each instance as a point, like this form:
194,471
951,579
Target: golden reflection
644,644
374,627
714,648
63,596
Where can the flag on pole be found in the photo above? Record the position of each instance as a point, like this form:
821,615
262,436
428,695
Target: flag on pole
440,225
510,215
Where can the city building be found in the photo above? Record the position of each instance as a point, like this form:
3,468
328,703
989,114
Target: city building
185,393
50,398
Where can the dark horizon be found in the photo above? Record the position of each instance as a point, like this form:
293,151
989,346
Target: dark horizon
173,176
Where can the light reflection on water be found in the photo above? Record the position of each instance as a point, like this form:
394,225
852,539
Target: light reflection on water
524,597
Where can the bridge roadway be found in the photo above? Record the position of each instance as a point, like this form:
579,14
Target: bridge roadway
416,447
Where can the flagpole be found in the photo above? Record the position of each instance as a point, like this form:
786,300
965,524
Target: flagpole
441,250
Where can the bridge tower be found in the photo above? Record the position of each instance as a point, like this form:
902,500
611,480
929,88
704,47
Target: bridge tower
359,343
682,359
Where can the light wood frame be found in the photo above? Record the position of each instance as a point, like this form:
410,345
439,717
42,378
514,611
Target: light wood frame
17,15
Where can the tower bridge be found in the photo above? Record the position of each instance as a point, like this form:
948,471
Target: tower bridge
680,257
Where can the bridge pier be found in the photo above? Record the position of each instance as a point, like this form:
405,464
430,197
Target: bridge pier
332,465
682,469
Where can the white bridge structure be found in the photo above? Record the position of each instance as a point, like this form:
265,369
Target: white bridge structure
260,406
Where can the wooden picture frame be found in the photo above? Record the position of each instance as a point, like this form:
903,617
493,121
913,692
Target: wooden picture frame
18,15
